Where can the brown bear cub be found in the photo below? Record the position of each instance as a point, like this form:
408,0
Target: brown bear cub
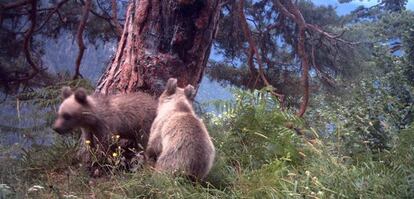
179,142
104,117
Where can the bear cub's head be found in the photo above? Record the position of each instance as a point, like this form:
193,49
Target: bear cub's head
174,96
70,112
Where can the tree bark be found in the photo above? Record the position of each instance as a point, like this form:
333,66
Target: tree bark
162,39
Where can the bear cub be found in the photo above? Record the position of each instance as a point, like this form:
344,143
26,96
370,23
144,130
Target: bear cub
179,142
103,117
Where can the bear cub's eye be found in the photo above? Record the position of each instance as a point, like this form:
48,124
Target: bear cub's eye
66,116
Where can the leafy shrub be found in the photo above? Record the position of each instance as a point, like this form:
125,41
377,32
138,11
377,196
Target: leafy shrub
257,130
257,157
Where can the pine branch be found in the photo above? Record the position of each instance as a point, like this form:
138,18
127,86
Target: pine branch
79,37
27,41
54,10
291,11
115,21
16,4
253,50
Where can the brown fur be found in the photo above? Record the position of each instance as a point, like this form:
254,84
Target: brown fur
99,116
179,141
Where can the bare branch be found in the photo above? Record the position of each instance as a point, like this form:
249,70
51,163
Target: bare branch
105,16
100,16
253,72
253,48
21,76
79,37
27,41
62,20
329,35
15,4
289,10
321,74
50,14
98,2
293,12
115,18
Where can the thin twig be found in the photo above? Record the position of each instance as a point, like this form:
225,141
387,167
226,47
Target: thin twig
79,37
321,74
98,2
115,21
27,41
253,72
253,48
50,14
293,12
16,4
329,35
107,17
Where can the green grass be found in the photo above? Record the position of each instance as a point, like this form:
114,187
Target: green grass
257,157
318,175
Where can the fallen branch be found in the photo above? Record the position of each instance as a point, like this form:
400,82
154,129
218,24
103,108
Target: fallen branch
79,37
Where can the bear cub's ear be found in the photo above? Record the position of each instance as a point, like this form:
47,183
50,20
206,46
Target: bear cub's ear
171,86
66,92
189,92
81,96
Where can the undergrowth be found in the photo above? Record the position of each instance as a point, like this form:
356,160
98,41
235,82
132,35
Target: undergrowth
259,155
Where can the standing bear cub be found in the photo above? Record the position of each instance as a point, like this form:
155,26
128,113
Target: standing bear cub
179,142
103,117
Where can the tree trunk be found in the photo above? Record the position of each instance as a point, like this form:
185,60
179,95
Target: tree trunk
162,39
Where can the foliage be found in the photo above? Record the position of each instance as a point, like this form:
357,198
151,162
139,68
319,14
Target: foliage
50,95
276,36
250,164
357,140
53,18
369,110
256,116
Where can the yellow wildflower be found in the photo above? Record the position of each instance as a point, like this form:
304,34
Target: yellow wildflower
114,154
87,142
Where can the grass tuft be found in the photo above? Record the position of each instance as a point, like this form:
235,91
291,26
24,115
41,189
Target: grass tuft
257,157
